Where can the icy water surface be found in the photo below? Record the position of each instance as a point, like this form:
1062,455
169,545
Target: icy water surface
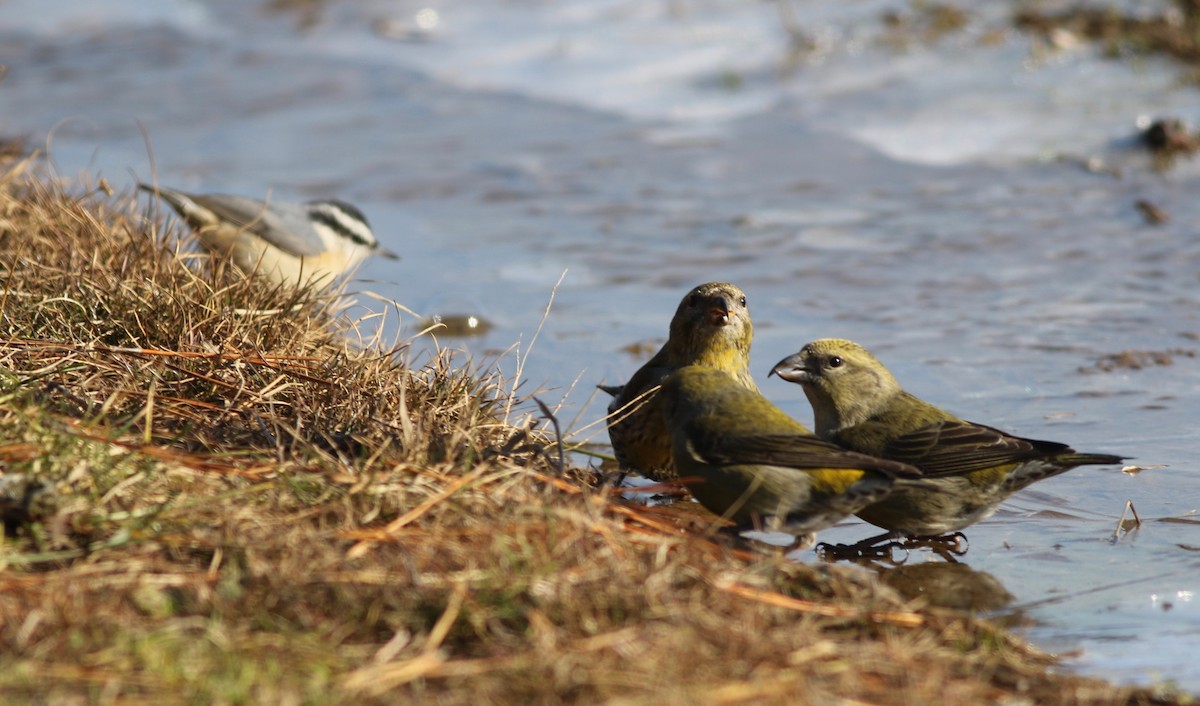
926,197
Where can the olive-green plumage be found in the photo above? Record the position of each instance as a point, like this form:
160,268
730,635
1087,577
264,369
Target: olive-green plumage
758,466
711,328
858,404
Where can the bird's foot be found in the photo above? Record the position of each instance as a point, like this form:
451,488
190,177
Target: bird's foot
882,549
946,546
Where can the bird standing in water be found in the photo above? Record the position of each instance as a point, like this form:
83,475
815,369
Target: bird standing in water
759,467
858,404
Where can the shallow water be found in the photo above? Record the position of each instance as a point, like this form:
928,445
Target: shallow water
928,200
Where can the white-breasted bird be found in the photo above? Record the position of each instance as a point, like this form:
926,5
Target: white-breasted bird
292,243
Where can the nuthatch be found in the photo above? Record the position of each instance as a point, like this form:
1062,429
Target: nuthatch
293,243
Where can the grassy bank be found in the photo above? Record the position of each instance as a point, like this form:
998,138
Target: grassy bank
211,497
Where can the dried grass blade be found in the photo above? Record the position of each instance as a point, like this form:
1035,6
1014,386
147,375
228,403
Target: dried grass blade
358,550
909,620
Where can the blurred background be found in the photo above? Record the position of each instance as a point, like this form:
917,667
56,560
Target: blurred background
964,187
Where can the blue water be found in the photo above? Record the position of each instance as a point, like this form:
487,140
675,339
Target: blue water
929,200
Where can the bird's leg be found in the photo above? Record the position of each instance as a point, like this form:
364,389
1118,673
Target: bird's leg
882,547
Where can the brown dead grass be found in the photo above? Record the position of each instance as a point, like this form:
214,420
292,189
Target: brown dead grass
247,509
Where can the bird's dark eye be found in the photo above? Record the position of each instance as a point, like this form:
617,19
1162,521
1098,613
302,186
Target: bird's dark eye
694,300
835,361
743,301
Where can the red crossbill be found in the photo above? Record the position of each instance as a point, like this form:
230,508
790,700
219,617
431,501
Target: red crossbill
759,467
859,405
711,328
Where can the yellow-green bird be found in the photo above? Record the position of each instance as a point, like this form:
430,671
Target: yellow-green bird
759,467
858,404
711,328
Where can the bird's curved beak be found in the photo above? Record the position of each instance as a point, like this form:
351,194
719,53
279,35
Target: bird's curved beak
718,311
791,369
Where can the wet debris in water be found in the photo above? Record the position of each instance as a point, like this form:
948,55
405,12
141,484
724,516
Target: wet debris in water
1168,139
1169,135
457,325
1091,165
1133,470
1136,360
308,13
421,26
642,349
1170,32
1127,524
1153,215
923,23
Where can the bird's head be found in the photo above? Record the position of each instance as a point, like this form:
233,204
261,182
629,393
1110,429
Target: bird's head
712,327
842,380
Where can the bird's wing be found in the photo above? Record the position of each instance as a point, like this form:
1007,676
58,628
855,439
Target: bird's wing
794,451
952,448
639,385
284,225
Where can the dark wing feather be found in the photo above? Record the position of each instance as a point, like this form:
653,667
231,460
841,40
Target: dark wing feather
955,448
793,451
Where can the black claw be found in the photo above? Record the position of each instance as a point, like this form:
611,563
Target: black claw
955,543
892,552
947,546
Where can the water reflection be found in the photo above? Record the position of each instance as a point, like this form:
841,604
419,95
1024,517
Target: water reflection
456,325
947,584
931,569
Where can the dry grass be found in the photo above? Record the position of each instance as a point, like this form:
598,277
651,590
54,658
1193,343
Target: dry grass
242,508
